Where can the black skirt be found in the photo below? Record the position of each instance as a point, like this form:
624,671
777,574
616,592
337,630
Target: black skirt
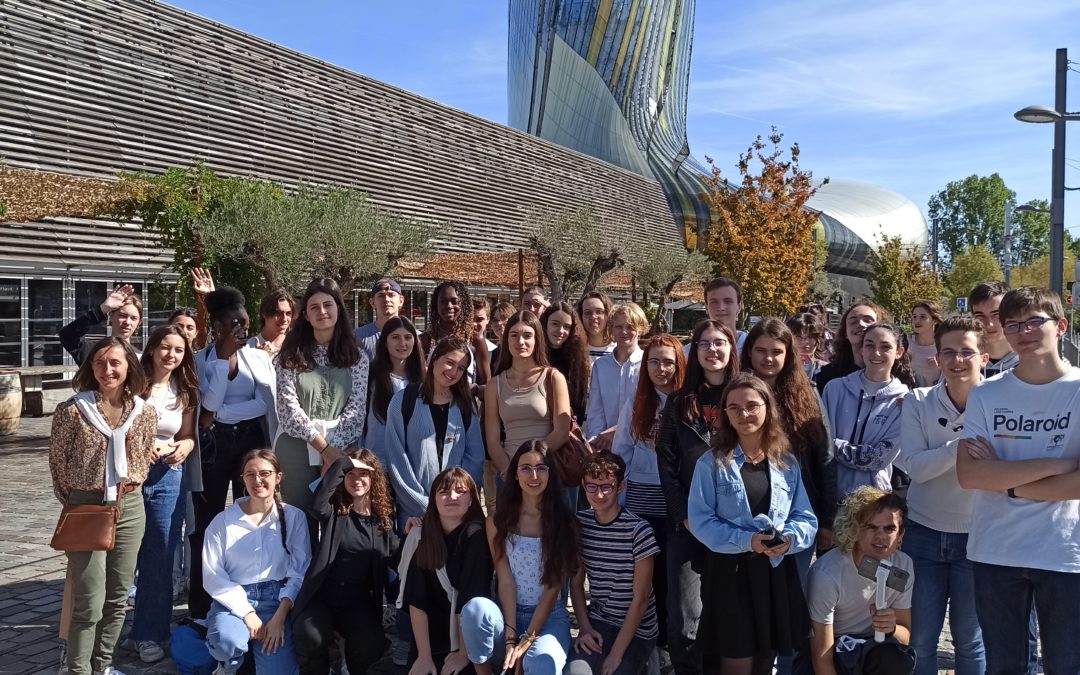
749,607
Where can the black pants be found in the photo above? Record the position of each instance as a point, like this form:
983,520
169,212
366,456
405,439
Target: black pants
222,446
662,532
335,610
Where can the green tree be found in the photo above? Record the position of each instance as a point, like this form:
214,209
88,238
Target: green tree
971,212
898,278
576,249
1038,272
970,268
658,270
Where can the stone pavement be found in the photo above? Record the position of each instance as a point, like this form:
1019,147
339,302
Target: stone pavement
32,574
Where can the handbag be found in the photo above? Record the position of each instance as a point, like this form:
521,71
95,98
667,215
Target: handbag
569,458
87,527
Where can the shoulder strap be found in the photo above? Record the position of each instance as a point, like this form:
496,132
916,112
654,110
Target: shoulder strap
548,395
408,403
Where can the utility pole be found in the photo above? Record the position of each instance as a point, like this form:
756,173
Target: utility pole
1057,178
1007,257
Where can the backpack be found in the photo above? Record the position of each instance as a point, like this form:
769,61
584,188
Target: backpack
408,405
189,650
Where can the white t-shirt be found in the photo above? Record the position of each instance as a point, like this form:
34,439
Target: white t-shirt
1025,421
841,597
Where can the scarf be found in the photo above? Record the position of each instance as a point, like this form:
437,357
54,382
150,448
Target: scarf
116,466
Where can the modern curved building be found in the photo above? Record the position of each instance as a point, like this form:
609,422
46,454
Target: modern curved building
609,78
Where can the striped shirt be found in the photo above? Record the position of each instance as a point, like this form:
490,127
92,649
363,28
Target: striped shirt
610,553
646,500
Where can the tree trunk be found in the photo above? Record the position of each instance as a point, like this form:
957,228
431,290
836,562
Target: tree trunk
665,295
599,268
547,266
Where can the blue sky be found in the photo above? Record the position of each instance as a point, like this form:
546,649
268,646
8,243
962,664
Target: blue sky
908,94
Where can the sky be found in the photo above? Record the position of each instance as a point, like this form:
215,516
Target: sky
906,94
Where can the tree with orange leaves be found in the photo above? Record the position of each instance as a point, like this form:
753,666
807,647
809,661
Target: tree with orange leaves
761,235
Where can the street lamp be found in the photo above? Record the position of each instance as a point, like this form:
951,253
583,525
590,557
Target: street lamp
1056,115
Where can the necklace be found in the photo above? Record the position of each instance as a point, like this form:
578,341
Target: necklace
756,459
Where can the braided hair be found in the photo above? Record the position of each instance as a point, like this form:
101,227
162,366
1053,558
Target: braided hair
462,324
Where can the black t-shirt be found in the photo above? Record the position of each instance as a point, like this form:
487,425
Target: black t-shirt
709,401
440,415
756,481
469,566
356,558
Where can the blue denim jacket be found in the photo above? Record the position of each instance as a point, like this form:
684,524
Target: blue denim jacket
720,517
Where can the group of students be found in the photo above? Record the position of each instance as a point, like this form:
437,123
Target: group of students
729,505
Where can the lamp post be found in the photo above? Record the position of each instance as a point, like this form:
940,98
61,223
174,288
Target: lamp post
1042,114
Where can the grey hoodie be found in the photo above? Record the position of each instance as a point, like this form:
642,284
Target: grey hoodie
866,428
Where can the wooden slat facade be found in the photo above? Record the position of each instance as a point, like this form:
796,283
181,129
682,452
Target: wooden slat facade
93,87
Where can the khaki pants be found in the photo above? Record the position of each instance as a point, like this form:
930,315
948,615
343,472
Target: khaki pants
99,583
490,490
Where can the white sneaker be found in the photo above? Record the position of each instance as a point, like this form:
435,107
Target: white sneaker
220,670
109,670
149,651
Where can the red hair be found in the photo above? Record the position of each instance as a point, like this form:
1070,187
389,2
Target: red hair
646,399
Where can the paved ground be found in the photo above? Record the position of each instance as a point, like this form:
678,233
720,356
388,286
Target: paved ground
32,574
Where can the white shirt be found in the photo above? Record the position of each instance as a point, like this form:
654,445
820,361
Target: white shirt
1025,421
170,419
238,552
841,597
610,385
233,400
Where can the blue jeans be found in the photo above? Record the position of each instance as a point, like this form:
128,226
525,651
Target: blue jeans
228,639
163,499
1003,600
482,631
943,575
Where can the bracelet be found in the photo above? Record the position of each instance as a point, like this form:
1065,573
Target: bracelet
528,637
1012,493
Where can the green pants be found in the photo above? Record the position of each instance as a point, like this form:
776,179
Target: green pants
100,582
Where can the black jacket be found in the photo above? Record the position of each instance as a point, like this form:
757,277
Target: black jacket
333,524
73,335
819,474
680,444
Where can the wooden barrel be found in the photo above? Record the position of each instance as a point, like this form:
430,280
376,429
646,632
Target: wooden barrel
10,402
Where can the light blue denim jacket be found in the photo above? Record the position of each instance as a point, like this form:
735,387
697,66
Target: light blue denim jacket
719,514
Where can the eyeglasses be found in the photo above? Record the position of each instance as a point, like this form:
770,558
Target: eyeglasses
1014,327
706,345
252,475
602,488
962,355
656,363
530,470
750,409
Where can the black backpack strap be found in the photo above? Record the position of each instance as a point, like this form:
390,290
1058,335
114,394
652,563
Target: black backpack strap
408,404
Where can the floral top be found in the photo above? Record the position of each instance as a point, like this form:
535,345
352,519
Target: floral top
77,449
292,419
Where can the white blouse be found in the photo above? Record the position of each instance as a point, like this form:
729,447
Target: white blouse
238,552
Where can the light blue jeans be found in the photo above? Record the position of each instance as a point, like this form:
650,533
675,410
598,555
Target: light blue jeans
227,638
482,631
165,503
943,575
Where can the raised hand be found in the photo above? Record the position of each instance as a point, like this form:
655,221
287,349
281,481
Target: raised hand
115,300
202,282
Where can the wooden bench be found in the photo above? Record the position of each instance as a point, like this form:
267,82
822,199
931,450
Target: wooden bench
35,403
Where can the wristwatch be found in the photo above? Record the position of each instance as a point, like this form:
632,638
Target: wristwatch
1012,493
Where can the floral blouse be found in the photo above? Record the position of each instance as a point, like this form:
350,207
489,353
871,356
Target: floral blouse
77,449
293,421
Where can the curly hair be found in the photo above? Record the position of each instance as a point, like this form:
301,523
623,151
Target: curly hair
843,355
184,376
559,541
572,358
604,464
901,368
858,508
646,400
431,551
462,324
695,381
382,506
796,398
773,439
